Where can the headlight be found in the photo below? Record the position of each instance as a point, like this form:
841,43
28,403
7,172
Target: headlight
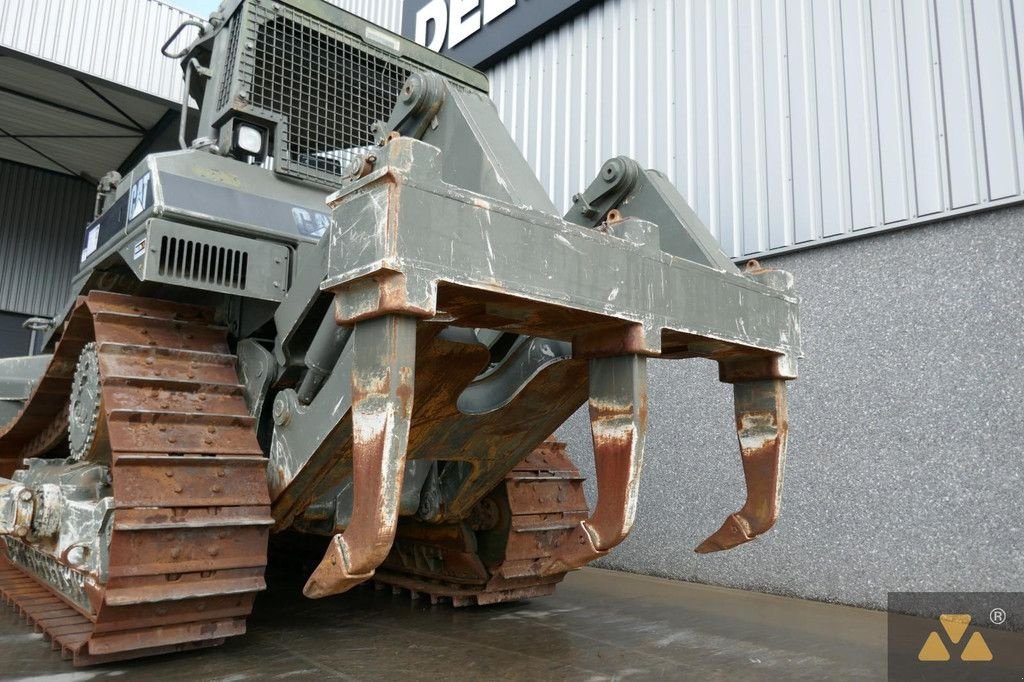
249,139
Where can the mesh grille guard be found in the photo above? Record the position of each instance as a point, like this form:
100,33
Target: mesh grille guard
323,87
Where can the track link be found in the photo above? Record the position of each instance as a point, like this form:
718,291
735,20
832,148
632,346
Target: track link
496,555
191,512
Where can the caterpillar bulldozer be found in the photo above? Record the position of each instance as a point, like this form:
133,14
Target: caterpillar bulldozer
347,309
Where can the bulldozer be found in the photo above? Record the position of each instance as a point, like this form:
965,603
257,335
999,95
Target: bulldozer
347,309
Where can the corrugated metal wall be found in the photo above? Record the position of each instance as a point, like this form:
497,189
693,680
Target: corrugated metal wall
386,13
117,40
784,122
42,215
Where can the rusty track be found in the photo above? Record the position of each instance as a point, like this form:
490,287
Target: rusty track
499,553
191,509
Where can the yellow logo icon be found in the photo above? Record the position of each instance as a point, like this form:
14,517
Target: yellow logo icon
955,626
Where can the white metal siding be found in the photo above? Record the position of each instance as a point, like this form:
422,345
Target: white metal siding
386,13
116,40
42,219
783,121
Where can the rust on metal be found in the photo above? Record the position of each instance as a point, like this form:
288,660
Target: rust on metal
762,428
191,518
499,552
618,421
374,296
401,359
751,368
611,343
42,424
382,396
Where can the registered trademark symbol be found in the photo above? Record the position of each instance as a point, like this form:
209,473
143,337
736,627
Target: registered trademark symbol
997,616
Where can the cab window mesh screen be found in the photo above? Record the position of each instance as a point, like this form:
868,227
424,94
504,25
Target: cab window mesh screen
330,92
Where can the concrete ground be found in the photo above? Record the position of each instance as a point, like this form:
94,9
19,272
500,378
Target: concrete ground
600,625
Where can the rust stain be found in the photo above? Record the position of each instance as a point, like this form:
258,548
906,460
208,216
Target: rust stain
536,509
628,340
159,550
762,436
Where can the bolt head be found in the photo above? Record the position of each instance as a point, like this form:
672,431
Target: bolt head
282,411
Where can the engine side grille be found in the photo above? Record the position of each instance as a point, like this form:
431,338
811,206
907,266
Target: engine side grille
213,262
197,262
329,89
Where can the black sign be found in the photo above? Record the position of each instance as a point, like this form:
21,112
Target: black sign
481,32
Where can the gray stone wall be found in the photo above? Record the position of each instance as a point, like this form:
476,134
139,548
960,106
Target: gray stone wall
907,429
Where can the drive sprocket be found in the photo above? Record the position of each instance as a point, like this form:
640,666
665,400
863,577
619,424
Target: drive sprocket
169,551
87,438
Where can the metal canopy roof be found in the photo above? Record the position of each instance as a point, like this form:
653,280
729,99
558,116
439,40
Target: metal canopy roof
83,87
68,123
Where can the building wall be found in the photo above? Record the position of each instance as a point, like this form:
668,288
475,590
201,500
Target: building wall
783,122
904,469
14,339
386,13
116,40
42,218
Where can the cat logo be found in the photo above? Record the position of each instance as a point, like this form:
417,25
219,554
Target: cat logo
138,197
955,625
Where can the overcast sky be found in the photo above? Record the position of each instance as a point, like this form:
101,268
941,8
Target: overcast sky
200,7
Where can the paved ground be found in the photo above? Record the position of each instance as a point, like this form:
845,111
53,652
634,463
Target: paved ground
601,625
